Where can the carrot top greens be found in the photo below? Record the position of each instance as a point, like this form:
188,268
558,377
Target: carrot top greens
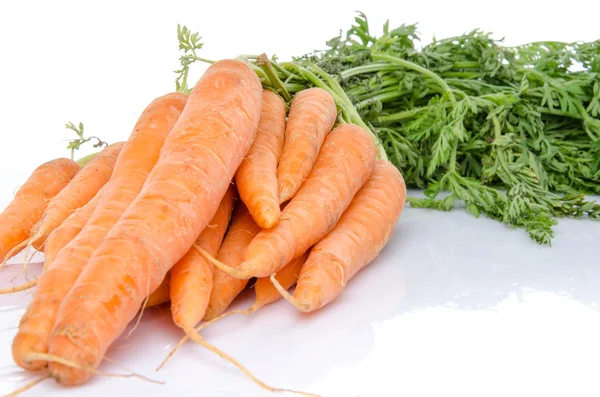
512,132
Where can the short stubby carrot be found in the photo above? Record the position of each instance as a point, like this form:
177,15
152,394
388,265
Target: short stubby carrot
192,276
31,200
138,157
225,288
357,239
256,178
81,189
181,195
311,118
344,164
68,230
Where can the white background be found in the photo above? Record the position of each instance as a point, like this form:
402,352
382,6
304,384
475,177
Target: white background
454,306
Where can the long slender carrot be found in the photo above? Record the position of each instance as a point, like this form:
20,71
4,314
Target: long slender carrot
137,158
266,293
312,115
31,200
256,178
192,275
361,233
226,288
82,188
69,229
178,200
344,164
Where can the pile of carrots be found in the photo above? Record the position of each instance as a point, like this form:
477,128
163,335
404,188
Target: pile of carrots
210,190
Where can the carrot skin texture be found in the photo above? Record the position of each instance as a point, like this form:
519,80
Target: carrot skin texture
266,293
161,294
81,189
344,164
178,200
357,239
192,276
225,287
31,200
69,229
311,118
256,178
136,160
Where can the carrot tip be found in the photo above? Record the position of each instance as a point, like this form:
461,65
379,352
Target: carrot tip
303,307
18,288
27,386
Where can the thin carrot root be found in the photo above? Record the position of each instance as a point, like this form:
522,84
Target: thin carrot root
14,251
232,271
288,297
199,328
195,336
18,288
27,386
60,360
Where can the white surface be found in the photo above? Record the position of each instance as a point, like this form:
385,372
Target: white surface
454,306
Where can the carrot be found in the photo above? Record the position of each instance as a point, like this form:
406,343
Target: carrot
69,229
256,178
311,118
137,158
344,164
361,233
178,200
82,188
226,288
30,202
192,276
266,293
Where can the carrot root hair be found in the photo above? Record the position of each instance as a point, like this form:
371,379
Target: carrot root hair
27,386
14,251
232,271
18,288
68,363
287,296
199,328
195,336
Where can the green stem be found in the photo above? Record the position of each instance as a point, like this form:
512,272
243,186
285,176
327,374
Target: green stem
461,75
86,159
466,65
264,63
407,114
419,69
381,97
369,68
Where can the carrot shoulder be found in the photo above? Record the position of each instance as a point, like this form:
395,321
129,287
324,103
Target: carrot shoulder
192,276
137,158
226,288
256,178
81,189
31,200
178,200
359,236
344,164
312,115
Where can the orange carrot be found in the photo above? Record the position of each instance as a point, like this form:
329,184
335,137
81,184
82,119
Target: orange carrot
30,202
266,293
82,188
312,115
256,178
226,288
361,233
69,229
178,200
137,158
344,164
192,276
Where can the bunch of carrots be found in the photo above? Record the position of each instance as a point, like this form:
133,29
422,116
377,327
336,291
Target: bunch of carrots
211,189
